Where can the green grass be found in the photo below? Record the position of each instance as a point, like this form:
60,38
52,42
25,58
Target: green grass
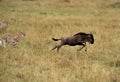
41,20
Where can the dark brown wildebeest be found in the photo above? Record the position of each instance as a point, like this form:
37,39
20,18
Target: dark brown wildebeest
78,39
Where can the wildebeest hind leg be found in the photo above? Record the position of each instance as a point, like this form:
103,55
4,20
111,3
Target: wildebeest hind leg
54,47
58,47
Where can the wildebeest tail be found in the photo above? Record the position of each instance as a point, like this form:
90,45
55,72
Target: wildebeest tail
55,39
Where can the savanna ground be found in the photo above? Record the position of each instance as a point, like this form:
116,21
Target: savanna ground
41,20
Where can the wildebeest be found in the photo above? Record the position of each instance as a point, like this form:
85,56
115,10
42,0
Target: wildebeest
78,39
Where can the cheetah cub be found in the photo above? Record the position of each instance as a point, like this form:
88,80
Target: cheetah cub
13,41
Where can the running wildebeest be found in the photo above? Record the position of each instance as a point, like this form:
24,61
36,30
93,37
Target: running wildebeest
78,39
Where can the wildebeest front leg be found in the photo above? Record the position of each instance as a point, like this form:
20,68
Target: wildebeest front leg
84,45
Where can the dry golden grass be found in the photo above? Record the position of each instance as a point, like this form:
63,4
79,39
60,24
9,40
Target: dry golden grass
41,20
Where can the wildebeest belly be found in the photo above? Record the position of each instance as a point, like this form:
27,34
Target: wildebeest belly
74,44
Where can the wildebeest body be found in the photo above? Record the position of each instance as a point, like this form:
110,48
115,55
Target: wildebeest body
77,39
72,41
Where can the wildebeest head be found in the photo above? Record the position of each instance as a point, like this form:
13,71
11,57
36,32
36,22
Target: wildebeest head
91,38
85,37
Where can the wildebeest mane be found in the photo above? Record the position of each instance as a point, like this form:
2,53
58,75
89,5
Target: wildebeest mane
80,33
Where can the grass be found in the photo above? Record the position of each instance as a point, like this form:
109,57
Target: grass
41,20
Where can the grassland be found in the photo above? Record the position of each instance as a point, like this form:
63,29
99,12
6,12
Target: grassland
41,20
